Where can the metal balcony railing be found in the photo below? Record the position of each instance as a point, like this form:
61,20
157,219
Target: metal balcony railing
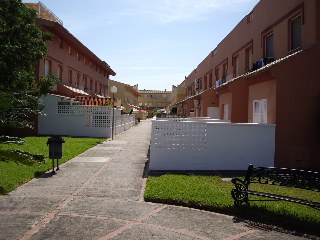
46,13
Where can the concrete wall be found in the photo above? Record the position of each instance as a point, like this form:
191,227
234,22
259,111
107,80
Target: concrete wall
79,120
298,111
197,145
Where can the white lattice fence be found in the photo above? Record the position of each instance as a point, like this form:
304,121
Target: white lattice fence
179,136
65,117
96,116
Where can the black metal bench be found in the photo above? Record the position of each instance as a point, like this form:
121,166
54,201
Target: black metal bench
276,176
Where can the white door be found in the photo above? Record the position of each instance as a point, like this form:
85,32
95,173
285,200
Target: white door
213,112
260,109
225,112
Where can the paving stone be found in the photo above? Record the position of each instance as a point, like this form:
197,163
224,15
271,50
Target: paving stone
49,190
12,203
126,210
203,223
15,226
77,227
124,194
145,232
90,159
98,152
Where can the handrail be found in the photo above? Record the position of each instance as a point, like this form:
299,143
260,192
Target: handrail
48,12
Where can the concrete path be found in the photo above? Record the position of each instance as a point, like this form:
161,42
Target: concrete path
99,195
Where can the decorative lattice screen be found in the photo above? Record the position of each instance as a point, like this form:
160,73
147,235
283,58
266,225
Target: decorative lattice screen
182,136
96,116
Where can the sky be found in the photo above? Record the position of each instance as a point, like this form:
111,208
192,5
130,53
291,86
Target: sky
152,43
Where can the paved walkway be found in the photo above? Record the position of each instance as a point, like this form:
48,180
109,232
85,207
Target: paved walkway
99,195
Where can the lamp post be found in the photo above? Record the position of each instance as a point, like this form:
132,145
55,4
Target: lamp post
113,90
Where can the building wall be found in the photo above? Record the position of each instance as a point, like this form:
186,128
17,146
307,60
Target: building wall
298,111
178,93
265,90
248,37
208,99
150,100
69,60
127,95
80,65
290,84
225,99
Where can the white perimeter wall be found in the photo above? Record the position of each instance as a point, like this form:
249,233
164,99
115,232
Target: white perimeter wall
67,118
198,145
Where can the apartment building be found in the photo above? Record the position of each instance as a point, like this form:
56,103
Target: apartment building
80,71
152,100
126,95
178,93
265,71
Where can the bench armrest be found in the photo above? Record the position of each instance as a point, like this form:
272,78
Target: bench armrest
239,194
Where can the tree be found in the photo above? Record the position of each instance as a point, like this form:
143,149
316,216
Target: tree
22,45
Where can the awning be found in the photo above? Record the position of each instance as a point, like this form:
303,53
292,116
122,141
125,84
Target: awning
70,91
94,101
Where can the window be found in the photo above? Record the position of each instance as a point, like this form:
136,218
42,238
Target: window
217,73
205,82
78,79
248,59
210,80
295,33
61,43
224,72
260,111
268,41
91,81
70,76
47,67
198,84
59,72
236,66
85,82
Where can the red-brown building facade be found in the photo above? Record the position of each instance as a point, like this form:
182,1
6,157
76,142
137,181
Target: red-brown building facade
80,71
265,71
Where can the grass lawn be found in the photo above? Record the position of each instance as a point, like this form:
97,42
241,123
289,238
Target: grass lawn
211,193
14,173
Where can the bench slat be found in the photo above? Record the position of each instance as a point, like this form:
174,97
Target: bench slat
284,198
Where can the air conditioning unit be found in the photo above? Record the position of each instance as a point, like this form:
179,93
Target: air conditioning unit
196,84
197,103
